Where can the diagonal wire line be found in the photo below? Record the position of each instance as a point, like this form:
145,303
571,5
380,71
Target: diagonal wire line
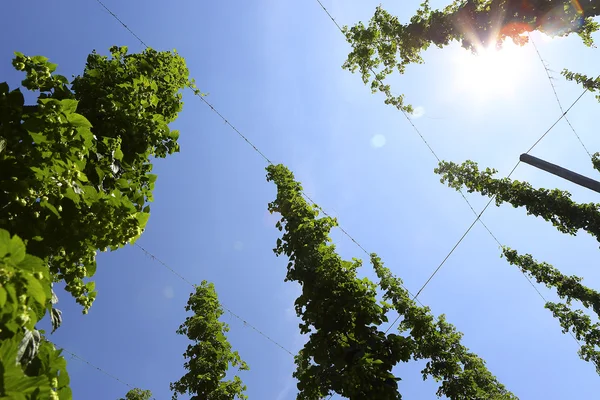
249,142
490,202
246,323
493,197
478,216
323,211
556,94
417,131
122,23
83,360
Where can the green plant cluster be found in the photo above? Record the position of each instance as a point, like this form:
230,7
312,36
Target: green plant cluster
462,373
385,44
346,351
138,394
583,328
567,216
75,178
209,356
569,288
75,167
591,84
553,205
31,368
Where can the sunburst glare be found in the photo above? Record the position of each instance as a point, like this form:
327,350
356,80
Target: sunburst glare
491,72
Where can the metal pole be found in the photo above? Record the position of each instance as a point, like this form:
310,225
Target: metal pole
562,172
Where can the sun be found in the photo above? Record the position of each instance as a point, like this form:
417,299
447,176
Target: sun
491,73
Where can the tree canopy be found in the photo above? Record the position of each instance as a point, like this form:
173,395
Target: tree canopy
75,174
347,352
75,167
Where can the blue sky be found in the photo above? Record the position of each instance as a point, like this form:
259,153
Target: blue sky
274,70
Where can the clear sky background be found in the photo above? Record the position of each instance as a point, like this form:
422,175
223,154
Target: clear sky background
273,68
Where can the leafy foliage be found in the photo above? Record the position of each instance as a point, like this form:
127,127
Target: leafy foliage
567,216
590,84
596,161
553,205
75,168
31,367
568,287
385,44
463,374
138,394
583,328
75,178
210,355
346,352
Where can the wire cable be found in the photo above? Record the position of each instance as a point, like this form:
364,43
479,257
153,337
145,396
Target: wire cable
248,141
83,360
246,323
122,23
478,216
417,131
556,94
415,297
486,207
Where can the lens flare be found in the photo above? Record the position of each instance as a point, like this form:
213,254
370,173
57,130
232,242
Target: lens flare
491,72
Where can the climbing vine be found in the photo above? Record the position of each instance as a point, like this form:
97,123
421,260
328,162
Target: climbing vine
385,44
209,356
569,288
583,328
567,216
553,205
31,368
75,167
591,84
74,178
347,352
138,394
462,373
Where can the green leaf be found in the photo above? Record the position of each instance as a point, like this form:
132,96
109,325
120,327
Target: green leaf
100,173
2,297
36,290
79,121
50,207
4,242
39,59
38,138
16,383
90,269
70,194
69,106
118,154
90,286
33,264
142,218
12,250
